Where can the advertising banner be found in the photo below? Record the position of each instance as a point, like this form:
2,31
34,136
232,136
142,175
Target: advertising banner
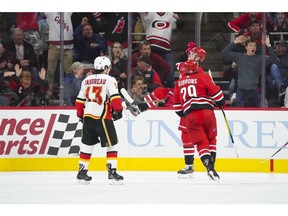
56,133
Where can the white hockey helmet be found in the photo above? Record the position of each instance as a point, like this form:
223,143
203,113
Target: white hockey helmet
102,62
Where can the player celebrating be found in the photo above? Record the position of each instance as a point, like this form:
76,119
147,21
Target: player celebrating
193,98
196,54
98,104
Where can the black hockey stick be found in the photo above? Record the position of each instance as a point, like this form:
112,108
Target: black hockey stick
225,118
229,130
283,146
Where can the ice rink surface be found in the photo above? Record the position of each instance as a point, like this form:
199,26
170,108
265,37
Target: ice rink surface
160,188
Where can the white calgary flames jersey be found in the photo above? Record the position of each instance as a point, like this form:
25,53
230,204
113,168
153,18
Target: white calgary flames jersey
97,96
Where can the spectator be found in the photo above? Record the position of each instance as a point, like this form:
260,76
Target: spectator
279,24
249,69
119,65
255,33
28,92
158,63
92,17
72,83
159,36
279,72
138,90
116,30
7,20
4,65
89,45
21,52
53,20
28,22
242,23
6,94
144,68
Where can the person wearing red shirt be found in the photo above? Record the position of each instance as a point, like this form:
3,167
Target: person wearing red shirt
243,21
193,99
158,63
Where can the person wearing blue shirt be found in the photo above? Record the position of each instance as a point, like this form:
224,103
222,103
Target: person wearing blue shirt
87,44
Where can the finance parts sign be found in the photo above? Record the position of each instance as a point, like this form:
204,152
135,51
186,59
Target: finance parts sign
52,133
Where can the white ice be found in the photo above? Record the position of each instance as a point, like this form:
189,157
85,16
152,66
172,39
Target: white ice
144,188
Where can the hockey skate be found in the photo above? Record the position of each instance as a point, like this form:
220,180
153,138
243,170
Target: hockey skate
186,173
82,176
115,178
213,175
211,172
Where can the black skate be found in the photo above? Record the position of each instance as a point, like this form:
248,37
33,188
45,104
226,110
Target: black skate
186,173
114,176
213,175
211,172
82,176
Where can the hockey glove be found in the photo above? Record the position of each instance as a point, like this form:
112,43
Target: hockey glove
80,119
116,115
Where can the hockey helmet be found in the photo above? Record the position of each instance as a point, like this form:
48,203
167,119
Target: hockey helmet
200,52
102,62
190,67
190,47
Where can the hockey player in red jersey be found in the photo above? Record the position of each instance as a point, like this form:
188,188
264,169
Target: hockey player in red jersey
98,104
193,98
196,54
166,94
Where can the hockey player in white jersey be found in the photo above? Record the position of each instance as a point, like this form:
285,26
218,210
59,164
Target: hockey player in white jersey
98,104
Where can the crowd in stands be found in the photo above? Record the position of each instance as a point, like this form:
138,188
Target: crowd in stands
248,28
30,53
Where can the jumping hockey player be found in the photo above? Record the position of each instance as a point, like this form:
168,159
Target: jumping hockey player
98,104
194,96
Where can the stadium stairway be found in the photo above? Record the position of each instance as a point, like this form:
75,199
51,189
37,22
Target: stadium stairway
214,37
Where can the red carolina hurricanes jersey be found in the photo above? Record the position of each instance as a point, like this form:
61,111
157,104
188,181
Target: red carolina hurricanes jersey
196,91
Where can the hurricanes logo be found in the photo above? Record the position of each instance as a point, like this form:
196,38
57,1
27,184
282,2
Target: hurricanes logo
160,25
119,26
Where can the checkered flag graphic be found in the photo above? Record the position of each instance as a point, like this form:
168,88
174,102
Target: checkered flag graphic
67,136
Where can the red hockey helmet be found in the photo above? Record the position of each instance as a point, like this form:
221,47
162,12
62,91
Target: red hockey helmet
190,47
200,52
191,67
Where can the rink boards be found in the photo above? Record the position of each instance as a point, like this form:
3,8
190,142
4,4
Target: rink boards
48,140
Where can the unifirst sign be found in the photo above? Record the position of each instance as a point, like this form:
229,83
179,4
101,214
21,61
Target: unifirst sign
52,134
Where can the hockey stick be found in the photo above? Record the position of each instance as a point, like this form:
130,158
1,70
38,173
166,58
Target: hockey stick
126,96
229,130
152,101
226,121
131,101
283,146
